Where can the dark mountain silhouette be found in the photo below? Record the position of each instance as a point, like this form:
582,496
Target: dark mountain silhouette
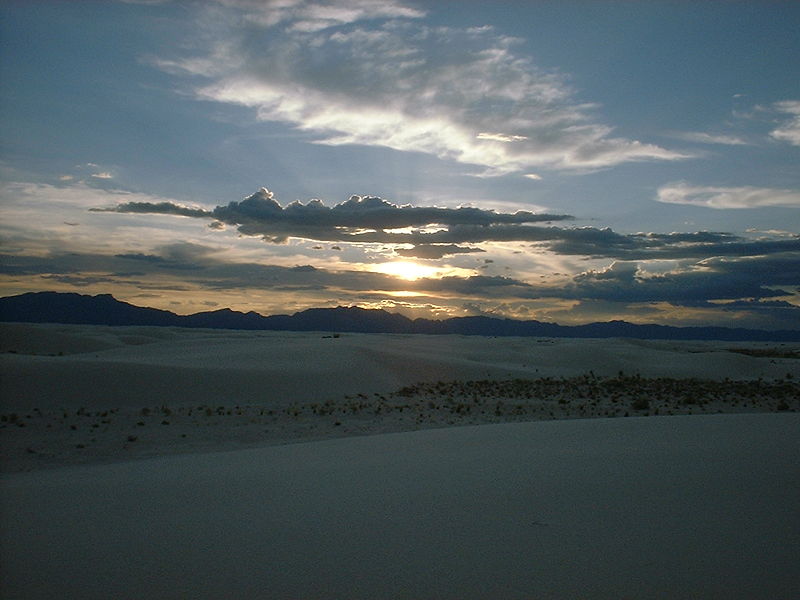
104,309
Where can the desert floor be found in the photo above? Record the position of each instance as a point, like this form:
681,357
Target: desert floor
169,463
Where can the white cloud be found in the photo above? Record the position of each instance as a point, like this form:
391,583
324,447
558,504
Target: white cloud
727,197
501,137
453,93
534,176
789,131
57,217
710,138
315,16
103,175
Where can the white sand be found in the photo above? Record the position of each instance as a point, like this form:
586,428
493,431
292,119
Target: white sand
674,507
701,506
125,365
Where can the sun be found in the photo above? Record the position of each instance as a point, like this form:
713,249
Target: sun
406,269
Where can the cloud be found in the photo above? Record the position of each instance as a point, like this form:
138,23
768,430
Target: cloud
666,246
305,16
180,256
103,175
501,137
435,251
388,79
789,131
761,305
204,271
369,219
727,197
709,279
158,208
359,219
710,138
364,212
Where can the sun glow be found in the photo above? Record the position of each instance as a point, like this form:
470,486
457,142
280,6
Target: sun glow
407,270
401,293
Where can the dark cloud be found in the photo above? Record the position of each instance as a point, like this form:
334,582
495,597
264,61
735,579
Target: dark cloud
481,286
766,314
649,246
755,285
179,256
158,208
261,214
434,251
710,279
361,218
80,281
369,219
759,305
158,261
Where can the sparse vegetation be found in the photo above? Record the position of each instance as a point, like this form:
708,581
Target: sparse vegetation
766,352
421,405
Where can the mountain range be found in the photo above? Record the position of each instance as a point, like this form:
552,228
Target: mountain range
104,309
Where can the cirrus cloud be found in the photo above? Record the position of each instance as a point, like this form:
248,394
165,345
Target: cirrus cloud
789,131
727,197
388,79
702,137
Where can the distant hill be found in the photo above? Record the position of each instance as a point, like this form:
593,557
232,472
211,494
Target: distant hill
104,309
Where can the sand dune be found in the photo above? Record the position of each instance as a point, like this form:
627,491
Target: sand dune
159,465
65,365
77,394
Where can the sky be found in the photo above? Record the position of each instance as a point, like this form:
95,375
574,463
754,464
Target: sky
570,162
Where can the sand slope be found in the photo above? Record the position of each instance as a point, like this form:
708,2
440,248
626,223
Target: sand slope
663,507
675,507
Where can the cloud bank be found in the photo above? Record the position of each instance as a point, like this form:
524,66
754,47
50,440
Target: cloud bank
436,232
751,281
647,276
